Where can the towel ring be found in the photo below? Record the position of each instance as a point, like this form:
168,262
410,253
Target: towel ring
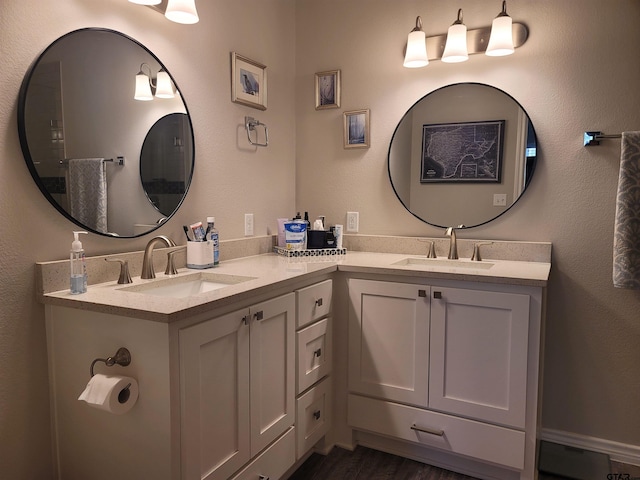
250,124
122,358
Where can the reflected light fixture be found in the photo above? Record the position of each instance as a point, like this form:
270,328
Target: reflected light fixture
182,11
146,2
501,39
455,49
144,84
416,54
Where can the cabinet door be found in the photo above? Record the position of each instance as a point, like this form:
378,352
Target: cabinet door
272,370
214,387
389,340
479,354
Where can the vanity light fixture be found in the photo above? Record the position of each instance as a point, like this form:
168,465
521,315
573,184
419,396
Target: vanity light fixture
416,54
501,38
144,84
182,11
455,50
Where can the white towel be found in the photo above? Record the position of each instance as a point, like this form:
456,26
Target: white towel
87,192
626,240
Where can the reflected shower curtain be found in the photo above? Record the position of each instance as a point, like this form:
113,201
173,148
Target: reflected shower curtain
87,192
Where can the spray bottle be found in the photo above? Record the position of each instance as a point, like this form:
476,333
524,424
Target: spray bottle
78,281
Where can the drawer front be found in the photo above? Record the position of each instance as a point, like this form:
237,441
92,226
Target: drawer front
314,353
314,302
456,435
313,416
274,462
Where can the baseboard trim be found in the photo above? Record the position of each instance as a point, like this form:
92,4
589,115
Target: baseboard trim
618,452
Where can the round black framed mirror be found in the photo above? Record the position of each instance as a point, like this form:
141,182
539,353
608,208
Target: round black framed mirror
462,155
82,132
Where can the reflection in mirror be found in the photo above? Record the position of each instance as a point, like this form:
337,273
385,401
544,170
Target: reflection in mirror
462,155
164,162
76,105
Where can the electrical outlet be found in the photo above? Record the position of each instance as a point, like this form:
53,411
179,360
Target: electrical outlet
248,224
353,222
500,200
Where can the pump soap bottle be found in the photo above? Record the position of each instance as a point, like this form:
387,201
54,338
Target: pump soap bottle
78,281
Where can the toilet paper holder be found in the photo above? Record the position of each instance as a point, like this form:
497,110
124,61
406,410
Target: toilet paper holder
122,357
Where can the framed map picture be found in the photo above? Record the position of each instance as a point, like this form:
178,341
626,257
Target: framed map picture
462,152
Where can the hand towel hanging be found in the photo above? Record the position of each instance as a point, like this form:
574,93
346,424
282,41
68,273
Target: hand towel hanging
626,241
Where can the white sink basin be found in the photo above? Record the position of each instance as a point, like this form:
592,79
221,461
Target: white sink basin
194,284
443,262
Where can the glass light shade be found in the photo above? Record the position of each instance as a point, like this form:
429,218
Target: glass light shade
455,49
501,39
146,2
143,88
416,55
164,87
182,11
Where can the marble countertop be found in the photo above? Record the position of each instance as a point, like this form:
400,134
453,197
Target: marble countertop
268,271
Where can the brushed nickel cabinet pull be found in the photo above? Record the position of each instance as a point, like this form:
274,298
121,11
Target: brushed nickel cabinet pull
319,302
259,315
430,431
422,293
245,319
263,477
437,295
316,414
317,353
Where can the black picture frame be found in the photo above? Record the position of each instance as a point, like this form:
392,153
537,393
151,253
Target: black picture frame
462,152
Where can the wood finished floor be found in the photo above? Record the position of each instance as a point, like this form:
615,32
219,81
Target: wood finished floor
367,464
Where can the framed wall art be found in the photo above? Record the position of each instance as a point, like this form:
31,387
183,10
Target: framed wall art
328,89
356,129
248,82
462,152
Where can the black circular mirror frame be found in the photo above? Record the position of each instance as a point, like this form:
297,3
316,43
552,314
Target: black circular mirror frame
408,160
50,189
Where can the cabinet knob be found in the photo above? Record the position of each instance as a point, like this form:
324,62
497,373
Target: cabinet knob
259,315
319,302
437,295
317,353
263,477
316,414
245,319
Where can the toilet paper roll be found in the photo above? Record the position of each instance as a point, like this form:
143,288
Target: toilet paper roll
111,393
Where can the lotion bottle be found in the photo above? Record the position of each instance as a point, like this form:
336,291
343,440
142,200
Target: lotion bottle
214,237
78,282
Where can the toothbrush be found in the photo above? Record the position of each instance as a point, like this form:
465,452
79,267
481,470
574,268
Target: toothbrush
186,232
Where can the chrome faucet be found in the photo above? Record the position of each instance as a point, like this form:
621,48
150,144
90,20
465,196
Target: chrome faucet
453,245
147,262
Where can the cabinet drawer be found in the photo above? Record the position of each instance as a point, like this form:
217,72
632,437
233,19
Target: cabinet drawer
274,461
314,353
313,416
314,302
457,435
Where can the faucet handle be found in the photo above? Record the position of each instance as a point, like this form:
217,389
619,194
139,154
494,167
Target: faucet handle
476,251
432,250
171,266
124,270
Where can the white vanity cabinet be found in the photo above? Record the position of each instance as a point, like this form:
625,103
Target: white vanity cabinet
237,389
314,362
451,366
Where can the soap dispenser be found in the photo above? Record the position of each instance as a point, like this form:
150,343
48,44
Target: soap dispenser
78,283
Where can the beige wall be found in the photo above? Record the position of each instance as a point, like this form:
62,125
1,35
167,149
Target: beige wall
568,77
576,72
230,178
